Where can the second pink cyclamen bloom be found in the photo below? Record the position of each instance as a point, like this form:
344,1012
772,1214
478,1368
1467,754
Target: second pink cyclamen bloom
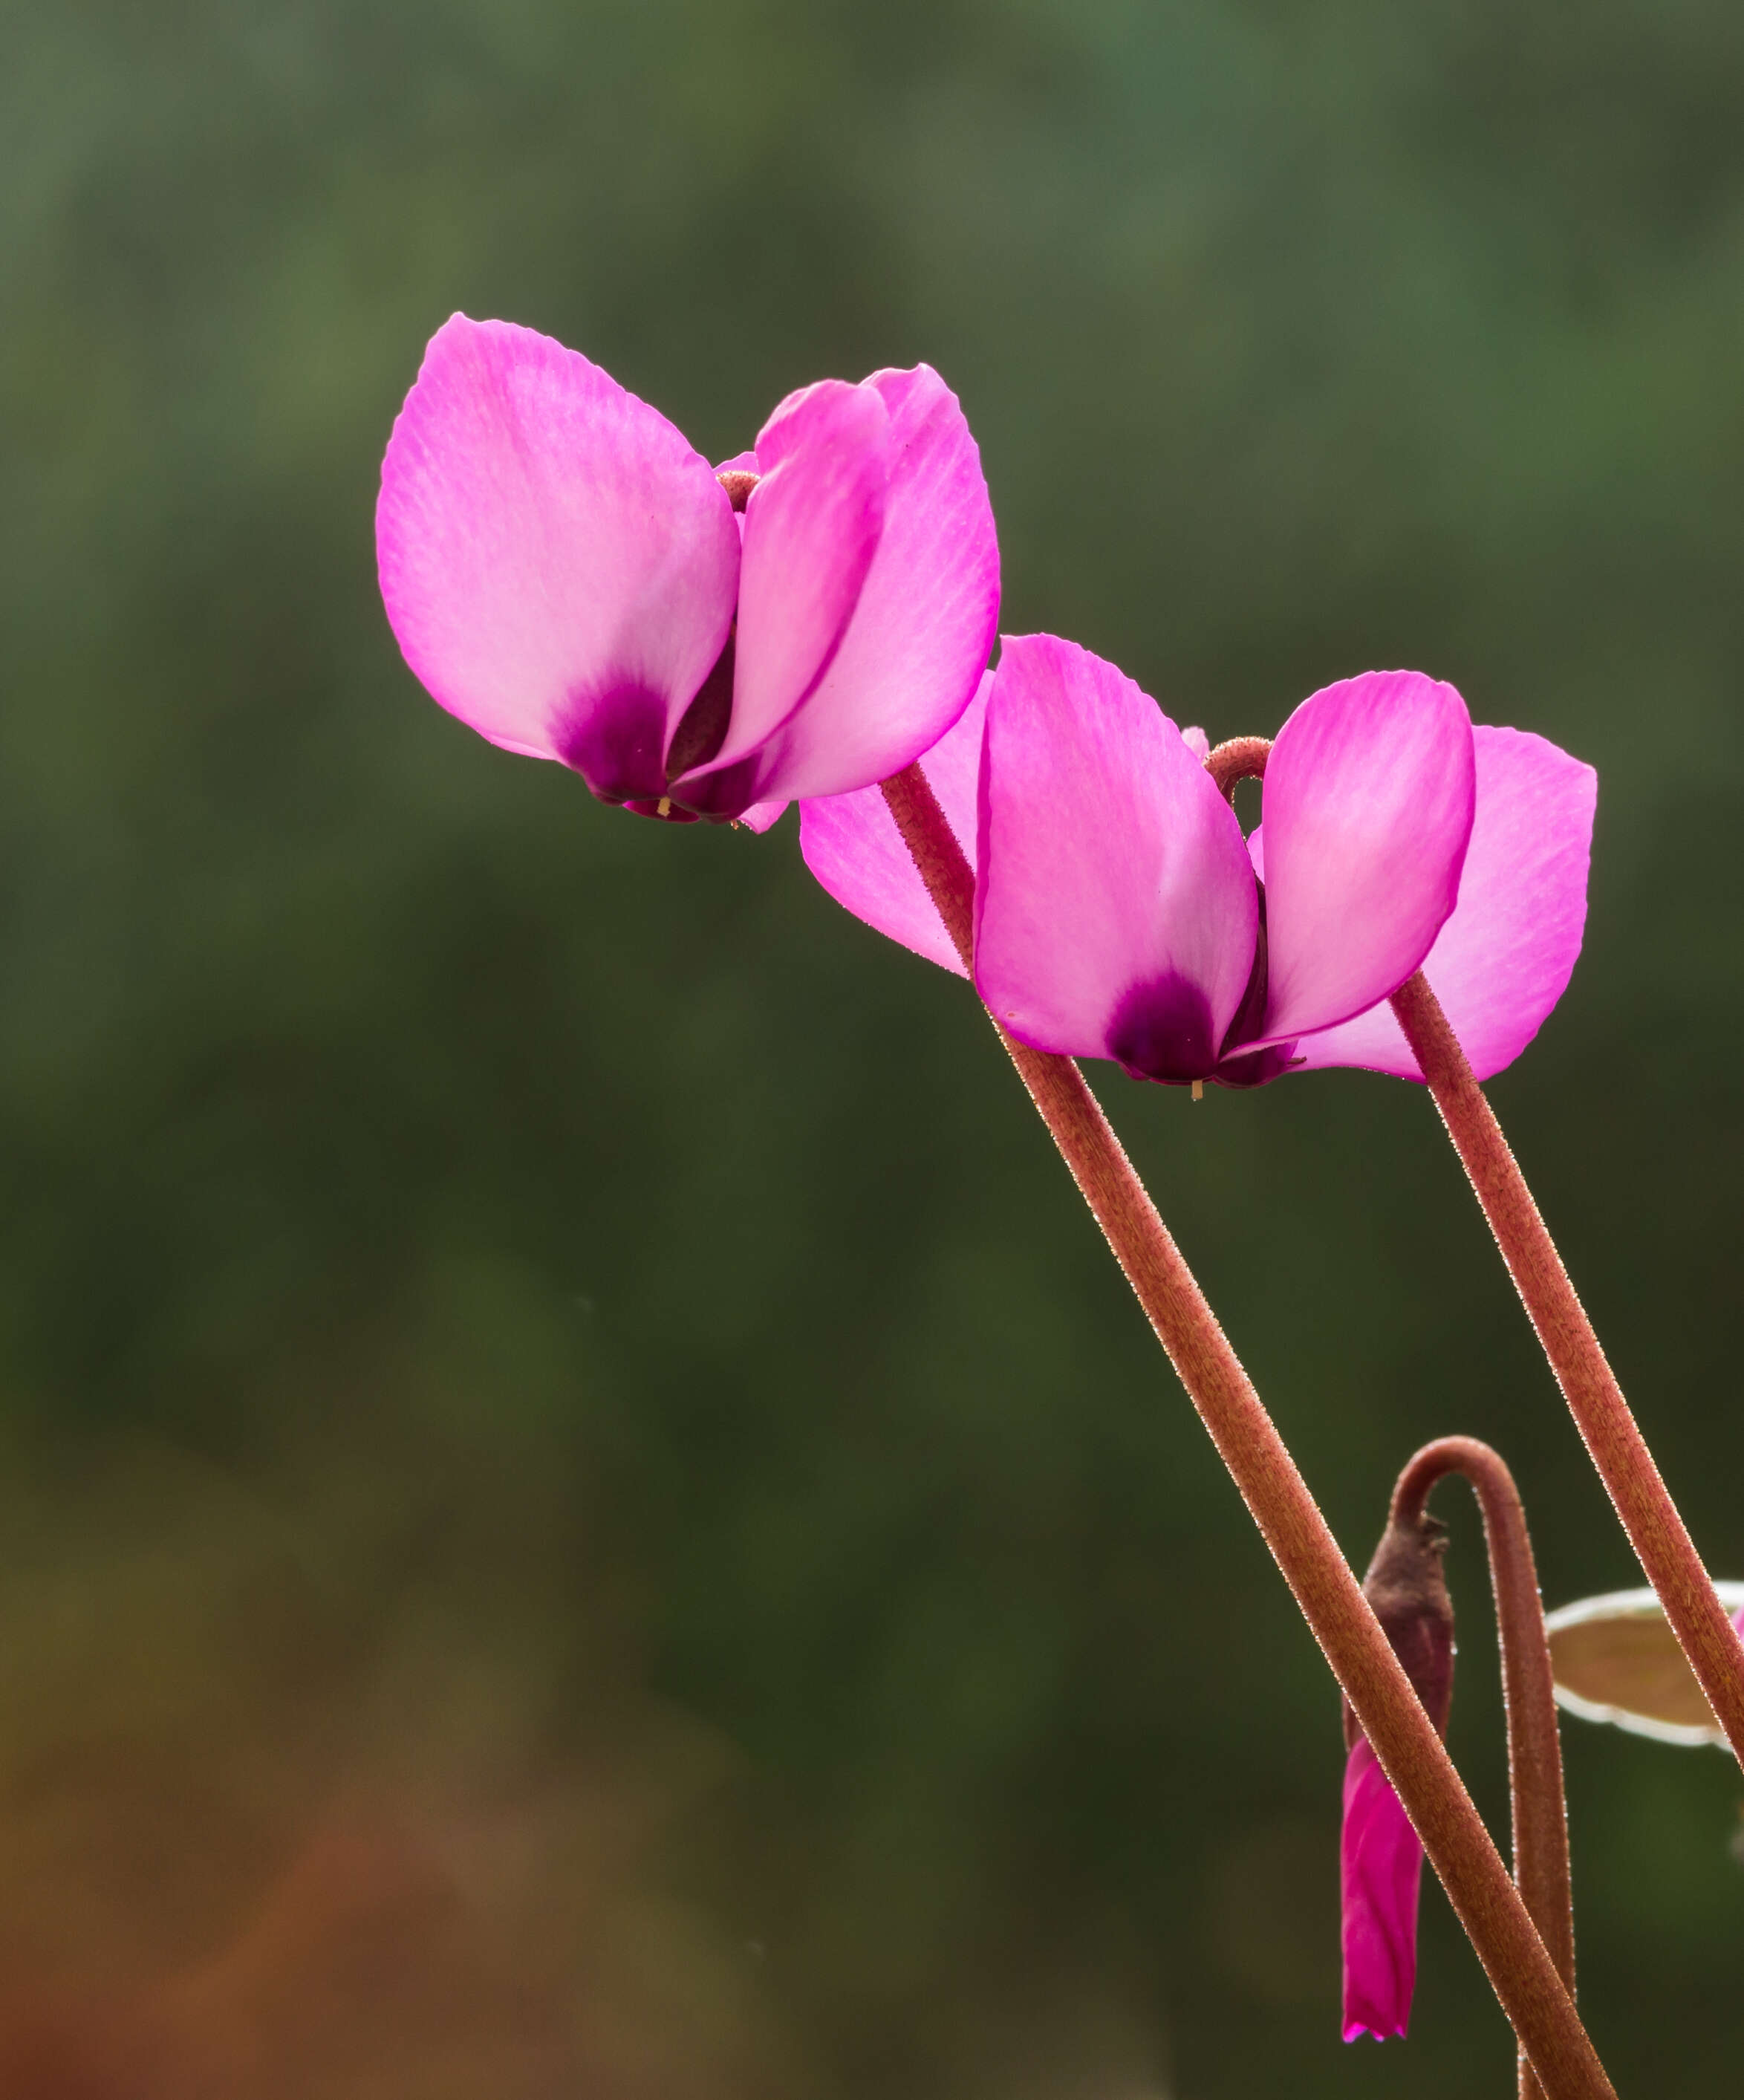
566,574
1120,913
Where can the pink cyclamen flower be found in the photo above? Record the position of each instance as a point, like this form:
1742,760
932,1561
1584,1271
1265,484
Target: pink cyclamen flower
1120,913
1380,1866
569,577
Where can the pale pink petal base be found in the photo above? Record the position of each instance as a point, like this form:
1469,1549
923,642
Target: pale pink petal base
851,845
1380,1865
1504,958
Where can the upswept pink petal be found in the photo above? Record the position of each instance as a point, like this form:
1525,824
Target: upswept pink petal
558,564
1381,1863
761,815
1115,913
1504,958
919,638
1197,742
812,527
851,845
1367,803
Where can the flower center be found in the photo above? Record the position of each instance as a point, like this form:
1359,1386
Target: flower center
703,727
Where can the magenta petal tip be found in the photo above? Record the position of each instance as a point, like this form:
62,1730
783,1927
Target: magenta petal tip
1381,1863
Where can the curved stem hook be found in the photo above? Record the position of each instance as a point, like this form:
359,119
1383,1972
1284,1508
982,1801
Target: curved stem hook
1535,1749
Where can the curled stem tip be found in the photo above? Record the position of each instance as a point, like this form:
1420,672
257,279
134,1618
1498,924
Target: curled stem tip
1539,1813
1238,758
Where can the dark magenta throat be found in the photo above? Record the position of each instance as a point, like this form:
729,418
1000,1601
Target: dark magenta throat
1161,1029
617,742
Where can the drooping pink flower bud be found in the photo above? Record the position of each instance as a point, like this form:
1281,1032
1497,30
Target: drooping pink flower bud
1381,1861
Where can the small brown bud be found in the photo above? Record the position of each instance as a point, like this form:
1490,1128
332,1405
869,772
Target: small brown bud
1409,1592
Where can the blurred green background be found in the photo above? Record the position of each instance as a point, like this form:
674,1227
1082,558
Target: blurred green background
584,1510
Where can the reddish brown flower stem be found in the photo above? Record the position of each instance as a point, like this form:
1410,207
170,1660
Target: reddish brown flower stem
1656,1531
1489,1906
1535,1749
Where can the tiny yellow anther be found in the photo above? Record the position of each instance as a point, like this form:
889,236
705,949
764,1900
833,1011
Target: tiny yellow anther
665,808
1199,1090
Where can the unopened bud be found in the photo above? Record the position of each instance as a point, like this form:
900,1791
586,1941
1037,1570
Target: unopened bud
1407,1592
1380,1860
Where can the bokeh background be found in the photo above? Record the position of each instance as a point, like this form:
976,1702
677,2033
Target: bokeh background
584,1512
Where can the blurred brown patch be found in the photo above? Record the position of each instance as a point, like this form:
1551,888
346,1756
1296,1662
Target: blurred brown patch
294,1802
340,1779
1272,1912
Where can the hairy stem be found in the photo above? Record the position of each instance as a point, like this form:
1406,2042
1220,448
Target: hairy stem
1535,1749
1489,1906
1656,1531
